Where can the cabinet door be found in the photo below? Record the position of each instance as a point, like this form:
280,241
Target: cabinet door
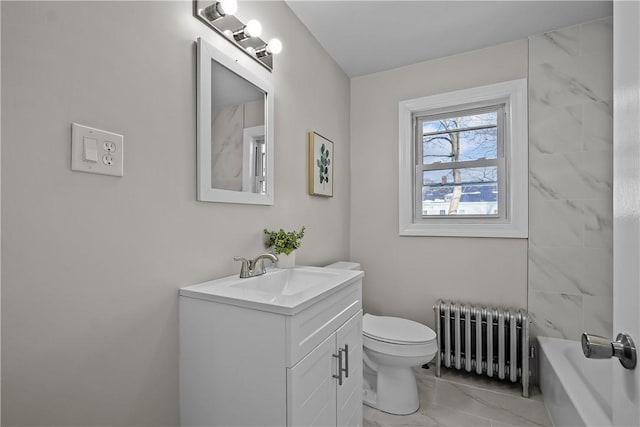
311,388
349,404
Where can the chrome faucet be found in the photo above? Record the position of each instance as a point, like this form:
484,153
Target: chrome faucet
254,267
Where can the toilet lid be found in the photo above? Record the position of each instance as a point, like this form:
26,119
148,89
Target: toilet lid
396,330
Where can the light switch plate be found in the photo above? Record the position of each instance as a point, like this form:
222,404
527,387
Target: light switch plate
110,147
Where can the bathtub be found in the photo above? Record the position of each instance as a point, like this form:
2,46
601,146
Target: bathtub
572,397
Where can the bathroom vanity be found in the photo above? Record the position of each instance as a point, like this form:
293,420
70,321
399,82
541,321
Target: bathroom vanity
282,349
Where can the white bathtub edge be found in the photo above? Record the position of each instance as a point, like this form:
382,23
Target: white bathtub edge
564,385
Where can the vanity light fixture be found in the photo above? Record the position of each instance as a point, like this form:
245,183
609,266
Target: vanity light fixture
274,47
253,28
219,15
220,9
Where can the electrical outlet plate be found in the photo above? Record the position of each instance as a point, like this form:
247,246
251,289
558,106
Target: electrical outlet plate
109,147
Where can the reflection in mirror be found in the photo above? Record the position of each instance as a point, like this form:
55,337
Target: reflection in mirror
238,150
235,131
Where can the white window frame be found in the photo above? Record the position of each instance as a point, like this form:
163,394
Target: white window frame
513,94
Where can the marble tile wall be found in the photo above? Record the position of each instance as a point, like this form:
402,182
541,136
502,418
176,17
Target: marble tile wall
227,127
571,180
226,148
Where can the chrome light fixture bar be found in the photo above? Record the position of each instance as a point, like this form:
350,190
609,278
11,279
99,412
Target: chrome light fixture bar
220,9
219,15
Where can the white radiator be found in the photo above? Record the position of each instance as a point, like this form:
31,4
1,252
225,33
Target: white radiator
485,340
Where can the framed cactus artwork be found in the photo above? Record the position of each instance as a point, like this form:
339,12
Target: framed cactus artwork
320,165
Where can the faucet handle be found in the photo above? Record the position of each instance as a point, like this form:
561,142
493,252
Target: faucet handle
244,269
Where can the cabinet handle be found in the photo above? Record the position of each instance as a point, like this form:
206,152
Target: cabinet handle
339,357
346,361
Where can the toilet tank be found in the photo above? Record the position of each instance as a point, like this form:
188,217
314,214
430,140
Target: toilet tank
345,265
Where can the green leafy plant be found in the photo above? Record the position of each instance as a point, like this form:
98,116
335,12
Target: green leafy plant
323,164
283,242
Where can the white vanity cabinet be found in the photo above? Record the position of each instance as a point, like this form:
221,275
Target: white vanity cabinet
316,394
272,366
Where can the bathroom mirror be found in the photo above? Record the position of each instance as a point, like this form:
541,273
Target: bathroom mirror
235,131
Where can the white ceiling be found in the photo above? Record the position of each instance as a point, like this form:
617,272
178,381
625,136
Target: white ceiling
369,36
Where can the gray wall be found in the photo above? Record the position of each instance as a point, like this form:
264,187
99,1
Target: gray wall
406,275
570,180
92,264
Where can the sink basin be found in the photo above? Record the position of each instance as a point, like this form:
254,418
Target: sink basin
287,281
284,291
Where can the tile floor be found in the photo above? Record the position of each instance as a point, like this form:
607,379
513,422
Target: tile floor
459,399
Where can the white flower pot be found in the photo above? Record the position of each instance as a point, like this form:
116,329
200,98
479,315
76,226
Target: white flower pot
286,261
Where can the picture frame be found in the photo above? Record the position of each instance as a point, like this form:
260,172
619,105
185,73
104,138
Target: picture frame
321,161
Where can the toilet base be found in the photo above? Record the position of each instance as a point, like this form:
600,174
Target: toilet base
395,390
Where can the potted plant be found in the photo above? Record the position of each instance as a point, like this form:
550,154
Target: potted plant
283,244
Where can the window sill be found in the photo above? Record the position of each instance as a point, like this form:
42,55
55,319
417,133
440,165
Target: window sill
502,230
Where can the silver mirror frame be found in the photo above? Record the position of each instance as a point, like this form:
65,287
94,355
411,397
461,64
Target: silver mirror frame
205,193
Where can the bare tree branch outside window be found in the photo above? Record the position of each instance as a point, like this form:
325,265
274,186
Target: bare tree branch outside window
456,141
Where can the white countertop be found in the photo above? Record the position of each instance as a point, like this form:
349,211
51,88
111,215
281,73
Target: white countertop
283,291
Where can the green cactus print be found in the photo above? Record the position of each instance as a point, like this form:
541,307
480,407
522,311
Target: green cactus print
323,164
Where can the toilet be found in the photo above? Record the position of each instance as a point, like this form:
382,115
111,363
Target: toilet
392,347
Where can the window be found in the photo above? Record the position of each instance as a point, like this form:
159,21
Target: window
463,163
460,163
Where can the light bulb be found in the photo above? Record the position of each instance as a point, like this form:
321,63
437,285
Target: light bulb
251,50
228,7
253,28
274,46
228,33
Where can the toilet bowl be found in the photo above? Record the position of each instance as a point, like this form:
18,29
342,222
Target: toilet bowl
392,347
